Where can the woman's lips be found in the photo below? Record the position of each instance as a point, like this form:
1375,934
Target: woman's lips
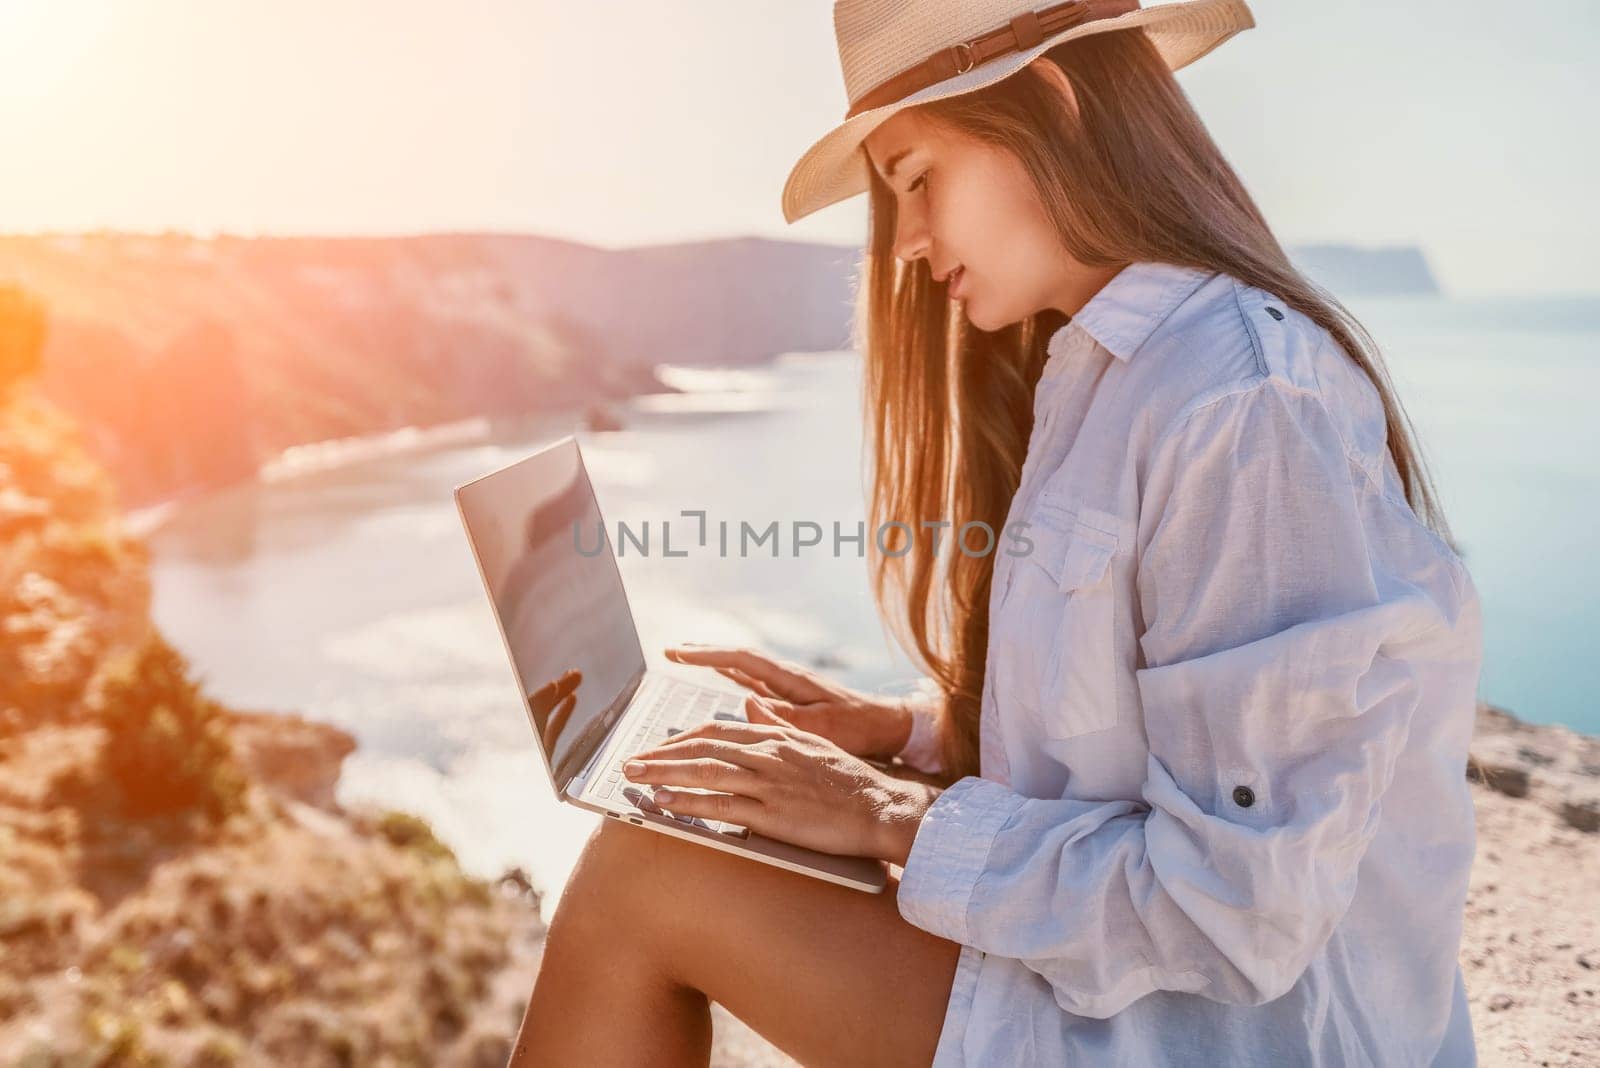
957,276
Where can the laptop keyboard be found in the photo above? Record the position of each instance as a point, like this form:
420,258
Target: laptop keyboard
676,709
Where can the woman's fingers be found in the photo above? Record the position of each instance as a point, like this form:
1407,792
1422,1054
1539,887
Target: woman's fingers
747,680
792,684
778,713
738,788
729,808
702,773
728,739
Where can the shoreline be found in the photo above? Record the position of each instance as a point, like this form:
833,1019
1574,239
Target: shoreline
332,454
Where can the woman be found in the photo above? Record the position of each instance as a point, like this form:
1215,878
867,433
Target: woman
1197,758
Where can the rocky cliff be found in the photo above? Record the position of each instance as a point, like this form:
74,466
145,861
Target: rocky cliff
1531,944
134,930
191,361
1399,271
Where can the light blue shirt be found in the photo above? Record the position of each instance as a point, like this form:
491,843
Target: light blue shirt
1222,817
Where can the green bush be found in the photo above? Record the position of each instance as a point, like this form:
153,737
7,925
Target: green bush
167,749
410,832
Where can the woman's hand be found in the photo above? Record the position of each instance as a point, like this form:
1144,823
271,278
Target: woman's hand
861,724
788,784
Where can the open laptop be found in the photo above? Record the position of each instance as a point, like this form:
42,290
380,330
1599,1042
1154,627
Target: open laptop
547,565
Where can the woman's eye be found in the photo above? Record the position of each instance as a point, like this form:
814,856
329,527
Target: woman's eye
920,179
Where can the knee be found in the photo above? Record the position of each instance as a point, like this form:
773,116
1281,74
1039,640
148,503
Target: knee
618,895
612,880
602,868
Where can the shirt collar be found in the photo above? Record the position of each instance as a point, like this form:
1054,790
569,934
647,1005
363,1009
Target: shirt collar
1127,309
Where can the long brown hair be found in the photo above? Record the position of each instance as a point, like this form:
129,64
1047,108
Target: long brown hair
1134,176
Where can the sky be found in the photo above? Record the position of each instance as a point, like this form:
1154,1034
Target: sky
1462,126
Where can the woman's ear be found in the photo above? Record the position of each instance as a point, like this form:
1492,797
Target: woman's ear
1057,78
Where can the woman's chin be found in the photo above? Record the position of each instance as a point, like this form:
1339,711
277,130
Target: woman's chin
983,318
974,315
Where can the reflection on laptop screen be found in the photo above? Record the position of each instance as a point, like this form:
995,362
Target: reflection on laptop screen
563,613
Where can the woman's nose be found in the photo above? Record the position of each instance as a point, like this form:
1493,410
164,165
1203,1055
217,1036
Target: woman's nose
911,238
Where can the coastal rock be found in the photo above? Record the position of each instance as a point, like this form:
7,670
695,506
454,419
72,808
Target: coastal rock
1548,764
1582,813
1508,778
291,755
1528,936
47,648
1396,270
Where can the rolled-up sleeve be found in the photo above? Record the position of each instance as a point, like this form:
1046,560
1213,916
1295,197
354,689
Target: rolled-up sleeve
1277,697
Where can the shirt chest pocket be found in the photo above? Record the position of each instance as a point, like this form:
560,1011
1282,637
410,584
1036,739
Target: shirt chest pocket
1056,629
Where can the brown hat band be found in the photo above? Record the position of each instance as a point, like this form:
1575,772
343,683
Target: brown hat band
1022,32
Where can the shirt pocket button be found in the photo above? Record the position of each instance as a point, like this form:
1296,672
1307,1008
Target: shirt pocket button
1243,796
1078,677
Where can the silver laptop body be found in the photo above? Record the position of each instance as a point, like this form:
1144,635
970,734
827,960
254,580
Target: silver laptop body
547,565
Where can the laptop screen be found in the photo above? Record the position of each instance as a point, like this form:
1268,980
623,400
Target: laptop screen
547,564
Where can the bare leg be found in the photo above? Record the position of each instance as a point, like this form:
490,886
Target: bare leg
651,929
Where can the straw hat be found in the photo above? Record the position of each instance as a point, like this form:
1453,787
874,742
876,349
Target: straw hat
896,53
